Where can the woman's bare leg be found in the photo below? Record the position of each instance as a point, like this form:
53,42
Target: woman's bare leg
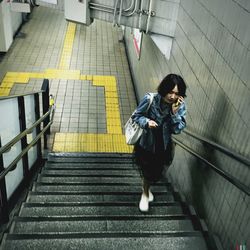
145,186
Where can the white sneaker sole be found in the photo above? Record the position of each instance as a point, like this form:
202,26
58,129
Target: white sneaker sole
143,205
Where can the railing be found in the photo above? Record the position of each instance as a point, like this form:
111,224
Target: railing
219,171
8,146
225,150
17,151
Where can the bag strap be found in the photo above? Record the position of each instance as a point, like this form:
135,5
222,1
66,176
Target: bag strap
150,101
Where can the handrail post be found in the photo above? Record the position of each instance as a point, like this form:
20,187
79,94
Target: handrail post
22,122
45,98
38,127
4,210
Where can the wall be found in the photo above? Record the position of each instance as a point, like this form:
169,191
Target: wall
47,3
9,24
16,21
211,52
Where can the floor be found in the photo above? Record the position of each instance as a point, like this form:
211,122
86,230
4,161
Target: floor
89,78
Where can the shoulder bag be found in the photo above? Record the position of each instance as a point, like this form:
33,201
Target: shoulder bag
133,131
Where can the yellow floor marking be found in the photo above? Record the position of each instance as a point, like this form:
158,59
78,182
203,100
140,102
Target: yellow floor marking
114,140
68,46
90,143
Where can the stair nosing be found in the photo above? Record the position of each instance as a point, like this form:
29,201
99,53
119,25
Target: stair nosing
99,217
87,175
94,193
95,184
104,204
106,234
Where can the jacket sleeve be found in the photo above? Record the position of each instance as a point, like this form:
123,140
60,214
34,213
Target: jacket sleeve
178,120
139,116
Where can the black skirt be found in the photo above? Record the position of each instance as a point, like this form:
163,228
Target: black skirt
151,164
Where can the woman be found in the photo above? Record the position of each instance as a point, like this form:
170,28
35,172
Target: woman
165,116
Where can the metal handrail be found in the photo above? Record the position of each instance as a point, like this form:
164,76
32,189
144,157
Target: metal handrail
224,174
12,165
149,15
20,95
109,9
7,146
223,149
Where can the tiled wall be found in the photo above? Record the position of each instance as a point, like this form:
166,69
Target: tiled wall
211,51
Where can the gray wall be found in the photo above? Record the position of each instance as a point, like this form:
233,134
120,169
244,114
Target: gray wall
59,5
211,52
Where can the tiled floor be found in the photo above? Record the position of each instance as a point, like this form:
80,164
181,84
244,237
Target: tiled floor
89,77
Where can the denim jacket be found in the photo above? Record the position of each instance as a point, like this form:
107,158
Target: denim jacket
169,122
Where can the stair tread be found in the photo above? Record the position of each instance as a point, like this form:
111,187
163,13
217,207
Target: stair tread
91,179
94,187
111,225
95,197
92,165
70,217
106,242
78,208
90,157
88,172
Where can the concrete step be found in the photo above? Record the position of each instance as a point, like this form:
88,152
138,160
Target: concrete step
90,157
114,241
90,172
91,165
95,187
90,179
90,197
57,225
94,208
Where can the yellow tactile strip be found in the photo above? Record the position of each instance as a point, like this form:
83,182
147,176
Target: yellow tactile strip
23,77
68,46
114,140
79,142
111,102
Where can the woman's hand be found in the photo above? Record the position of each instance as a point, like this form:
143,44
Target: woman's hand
152,124
176,105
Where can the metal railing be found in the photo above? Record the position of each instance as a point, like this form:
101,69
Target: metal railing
219,171
41,100
225,150
8,146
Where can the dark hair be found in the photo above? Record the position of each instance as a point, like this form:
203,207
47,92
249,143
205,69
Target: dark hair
169,82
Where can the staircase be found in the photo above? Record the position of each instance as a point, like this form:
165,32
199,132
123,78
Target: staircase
90,201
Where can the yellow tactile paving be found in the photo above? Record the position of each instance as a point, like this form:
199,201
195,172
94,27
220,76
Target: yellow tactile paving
83,77
89,77
114,140
7,84
79,142
68,46
4,91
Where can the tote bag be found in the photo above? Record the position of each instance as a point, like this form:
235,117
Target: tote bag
133,131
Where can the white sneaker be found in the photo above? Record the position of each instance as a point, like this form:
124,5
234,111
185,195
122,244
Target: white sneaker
143,205
150,196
